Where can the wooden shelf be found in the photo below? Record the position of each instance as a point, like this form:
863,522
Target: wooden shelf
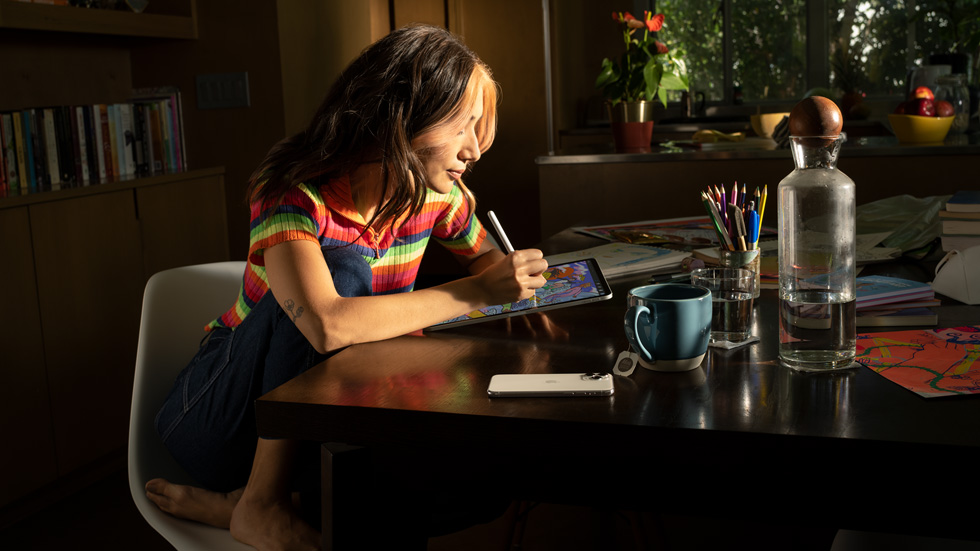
108,187
45,17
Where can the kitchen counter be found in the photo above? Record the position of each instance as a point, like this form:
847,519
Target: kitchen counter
758,148
590,181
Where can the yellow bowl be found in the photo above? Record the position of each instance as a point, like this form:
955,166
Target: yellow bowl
765,123
919,129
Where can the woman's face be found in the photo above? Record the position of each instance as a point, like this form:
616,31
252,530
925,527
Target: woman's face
448,149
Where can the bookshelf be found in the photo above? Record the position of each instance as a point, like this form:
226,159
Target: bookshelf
79,257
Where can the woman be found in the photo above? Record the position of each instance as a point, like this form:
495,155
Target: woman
340,214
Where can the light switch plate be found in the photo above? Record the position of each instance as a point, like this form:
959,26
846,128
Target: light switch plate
222,90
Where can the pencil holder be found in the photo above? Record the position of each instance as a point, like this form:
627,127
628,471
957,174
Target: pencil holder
741,259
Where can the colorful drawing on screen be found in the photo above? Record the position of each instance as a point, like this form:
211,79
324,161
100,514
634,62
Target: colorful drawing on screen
565,282
941,362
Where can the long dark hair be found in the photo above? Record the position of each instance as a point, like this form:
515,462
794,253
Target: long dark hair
407,83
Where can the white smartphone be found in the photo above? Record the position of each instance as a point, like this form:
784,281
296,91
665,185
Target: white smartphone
551,384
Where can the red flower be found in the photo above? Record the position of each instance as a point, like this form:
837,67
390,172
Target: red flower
653,22
661,47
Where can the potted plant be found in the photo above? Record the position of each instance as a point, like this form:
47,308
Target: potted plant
643,74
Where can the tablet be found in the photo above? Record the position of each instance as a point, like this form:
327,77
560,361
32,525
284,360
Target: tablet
569,284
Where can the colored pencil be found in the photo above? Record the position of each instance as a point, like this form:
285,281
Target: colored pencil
738,227
715,216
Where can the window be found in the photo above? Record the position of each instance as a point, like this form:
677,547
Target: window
759,49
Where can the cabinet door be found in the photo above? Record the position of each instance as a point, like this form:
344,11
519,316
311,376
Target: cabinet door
27,457
183,223
90,273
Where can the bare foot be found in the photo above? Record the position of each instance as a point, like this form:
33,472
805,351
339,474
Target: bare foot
272,526
192,503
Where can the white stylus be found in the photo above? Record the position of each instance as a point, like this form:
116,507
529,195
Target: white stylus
508,248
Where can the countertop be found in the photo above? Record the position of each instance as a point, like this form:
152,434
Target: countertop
757,148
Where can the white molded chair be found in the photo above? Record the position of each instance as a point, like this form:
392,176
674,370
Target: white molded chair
177,304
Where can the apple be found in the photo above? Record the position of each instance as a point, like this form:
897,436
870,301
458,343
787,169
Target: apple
922,107
900,109
922,92
944,109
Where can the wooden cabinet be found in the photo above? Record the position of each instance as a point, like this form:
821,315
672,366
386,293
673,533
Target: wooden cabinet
27,459
76,263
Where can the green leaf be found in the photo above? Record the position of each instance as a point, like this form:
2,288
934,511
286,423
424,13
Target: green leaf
673,81
652,74
607,75
662,93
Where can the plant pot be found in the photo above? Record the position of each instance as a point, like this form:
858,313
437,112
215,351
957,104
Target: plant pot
632,126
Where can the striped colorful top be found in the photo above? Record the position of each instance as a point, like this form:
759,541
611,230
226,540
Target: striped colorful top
327,215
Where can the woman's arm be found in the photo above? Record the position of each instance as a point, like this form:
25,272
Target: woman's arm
483,258
297,273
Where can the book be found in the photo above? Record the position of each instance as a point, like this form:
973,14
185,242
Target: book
112,160
35,155
897,317
47,131
91,170
127,154
964,201
107,149
10,153
98,144
617,259
931,363
66,151
20,147
156,140
914,303
877,290
947,215
958,242
84,153
961,227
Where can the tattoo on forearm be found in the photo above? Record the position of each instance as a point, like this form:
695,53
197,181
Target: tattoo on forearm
290,305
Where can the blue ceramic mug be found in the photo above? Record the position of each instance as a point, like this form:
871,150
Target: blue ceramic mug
668,325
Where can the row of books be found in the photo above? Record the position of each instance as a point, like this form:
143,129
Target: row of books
961,221
892,301
51,148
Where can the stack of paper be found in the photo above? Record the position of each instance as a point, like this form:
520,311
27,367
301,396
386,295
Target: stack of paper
624,258
890,301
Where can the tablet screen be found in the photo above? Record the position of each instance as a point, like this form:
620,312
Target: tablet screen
569,283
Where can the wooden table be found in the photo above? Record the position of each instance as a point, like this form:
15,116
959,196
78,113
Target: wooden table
741,436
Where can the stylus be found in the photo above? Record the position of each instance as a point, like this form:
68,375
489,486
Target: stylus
508,248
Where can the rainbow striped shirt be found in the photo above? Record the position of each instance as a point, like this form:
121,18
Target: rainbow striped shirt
327,215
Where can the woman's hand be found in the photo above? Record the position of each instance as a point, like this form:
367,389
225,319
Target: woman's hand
513,278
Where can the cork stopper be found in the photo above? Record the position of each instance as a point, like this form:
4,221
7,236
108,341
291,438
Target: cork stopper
815,116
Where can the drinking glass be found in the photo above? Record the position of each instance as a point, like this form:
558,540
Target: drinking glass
733,292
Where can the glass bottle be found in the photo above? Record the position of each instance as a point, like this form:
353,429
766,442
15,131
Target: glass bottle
817,300
952,88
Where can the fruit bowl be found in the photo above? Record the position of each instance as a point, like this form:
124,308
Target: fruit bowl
919,129
765,123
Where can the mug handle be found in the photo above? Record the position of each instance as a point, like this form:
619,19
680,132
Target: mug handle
632,317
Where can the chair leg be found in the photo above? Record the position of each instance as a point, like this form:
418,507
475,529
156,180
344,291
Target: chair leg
517,519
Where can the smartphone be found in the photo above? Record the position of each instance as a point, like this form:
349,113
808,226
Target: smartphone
568,284
551,384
